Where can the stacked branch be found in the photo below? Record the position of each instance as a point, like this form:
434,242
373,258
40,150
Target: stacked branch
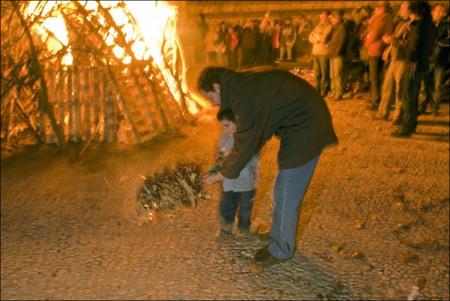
139,83
180,186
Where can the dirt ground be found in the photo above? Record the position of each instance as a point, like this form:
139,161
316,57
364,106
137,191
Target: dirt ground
374,223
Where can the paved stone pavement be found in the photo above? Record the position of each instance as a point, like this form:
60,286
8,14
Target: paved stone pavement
374,222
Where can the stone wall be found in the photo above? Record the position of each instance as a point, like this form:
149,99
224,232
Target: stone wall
256,9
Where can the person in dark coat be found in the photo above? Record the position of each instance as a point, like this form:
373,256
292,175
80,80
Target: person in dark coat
431,88
336,52
269,102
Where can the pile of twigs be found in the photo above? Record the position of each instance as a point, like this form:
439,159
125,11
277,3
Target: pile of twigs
181,185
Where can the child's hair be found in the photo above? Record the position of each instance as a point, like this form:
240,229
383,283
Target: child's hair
226,114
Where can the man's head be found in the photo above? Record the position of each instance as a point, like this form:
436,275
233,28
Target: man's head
209,82
404,12
382,7
324,16
439,12
336,17
419,10
227,121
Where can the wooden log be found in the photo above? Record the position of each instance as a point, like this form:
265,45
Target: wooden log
61,100
123,103
69,101
55,104
76,105
144,100
127,47
8,116
102,104
86,105
110,126
95,99
44,106
26,118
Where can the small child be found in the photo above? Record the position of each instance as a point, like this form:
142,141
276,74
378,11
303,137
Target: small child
238,194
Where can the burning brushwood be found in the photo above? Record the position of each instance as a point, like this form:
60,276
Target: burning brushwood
171,188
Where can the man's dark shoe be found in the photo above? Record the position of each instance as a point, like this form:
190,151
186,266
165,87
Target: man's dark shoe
264,258
402,132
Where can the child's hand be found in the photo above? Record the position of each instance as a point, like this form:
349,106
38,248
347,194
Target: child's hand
214,169
213,178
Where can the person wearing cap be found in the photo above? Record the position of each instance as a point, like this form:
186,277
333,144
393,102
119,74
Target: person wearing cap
318,38
336,52
268,102
380,23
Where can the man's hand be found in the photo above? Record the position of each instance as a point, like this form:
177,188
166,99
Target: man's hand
387,39
213,178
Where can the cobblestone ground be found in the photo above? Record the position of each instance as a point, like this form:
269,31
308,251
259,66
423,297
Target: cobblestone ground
374,223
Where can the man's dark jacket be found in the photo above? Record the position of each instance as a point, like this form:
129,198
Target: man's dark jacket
267,102
338,40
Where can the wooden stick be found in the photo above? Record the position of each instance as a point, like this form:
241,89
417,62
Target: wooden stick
76,105
8,114
43,93
95,99
26,118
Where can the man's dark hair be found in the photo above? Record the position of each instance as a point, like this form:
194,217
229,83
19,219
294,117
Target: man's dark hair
210,76
226,114
420,8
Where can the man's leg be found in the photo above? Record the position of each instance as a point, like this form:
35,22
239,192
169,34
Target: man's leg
289,51
290,187
438,79
387,93
339,76
374,78
407,99
317,72
282,49
325,74
333,77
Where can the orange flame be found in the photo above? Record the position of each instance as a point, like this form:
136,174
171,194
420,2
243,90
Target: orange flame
156,25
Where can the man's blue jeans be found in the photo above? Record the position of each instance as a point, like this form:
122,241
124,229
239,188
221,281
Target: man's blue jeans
241,202
290,186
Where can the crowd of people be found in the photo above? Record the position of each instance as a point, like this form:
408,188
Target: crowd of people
400,58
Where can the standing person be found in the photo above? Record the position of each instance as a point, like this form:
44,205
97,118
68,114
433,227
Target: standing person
432,87
321,65
336,52
288,35
248,44
269,102
265,29
396,79
275,41
380,23
232,42
203,27
423,33
208,42
220,44
238,28
238,194
301,46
